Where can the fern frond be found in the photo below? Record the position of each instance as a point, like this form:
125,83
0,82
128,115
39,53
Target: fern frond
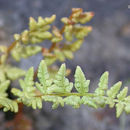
8,104
13,73
114,90
5,102
28,93
89,101
56,100
58,91
22,51
43,77
10,72
103,84
74,101
61,84
81,84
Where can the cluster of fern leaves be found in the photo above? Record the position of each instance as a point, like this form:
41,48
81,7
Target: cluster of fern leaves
57,88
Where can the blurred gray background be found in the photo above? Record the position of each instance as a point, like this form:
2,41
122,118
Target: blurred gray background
106,48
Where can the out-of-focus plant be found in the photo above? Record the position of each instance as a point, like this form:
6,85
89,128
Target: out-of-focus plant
53,86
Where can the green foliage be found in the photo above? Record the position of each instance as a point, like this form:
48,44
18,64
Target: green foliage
27,95
10,72
103,84
81,84
37,33
5,102
20,51
60,83
43,77
64,41
52,85
73,101
59,91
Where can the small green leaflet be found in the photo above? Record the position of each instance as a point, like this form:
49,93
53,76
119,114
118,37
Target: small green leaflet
119,109
8,104
5,102
27,96
103,84
114,90
43,77
58,91
14,73
61,84
56,100
81,84
122,94
74,101
89,101
3,87
127,108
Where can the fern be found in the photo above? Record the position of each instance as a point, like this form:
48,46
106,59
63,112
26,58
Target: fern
5,102
64,41
52,85
59,91
81,84
43,77
27,95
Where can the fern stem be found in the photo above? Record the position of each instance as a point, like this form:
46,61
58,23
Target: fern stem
67,94
11,47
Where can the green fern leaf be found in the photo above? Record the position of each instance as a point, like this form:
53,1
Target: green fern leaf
4,86
21,51
43,77
36,102
32,24
5,102
110,101
74,101
114,90
2,74
14,73
119,109
8,104
61,84
100,101
81,84
103,84
29,78
56,100
127,108
122,94
59,55
89,101
127,99
28,95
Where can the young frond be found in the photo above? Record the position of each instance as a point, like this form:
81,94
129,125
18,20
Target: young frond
28,93
57,88
5,102
8,104
81,84
3,87
103,84
58,91
8,72
60,83
43,77
73,101
56,100
114,90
